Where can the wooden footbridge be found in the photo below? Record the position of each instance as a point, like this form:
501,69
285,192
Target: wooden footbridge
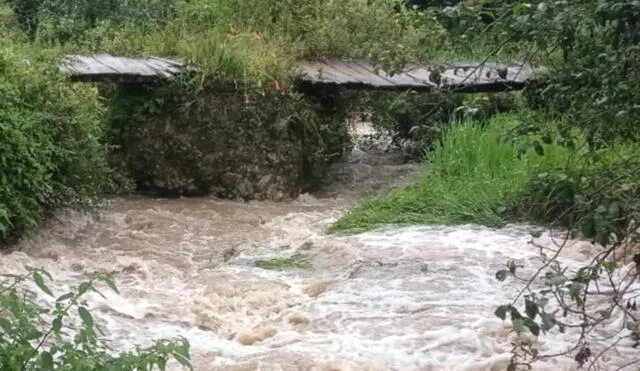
348,73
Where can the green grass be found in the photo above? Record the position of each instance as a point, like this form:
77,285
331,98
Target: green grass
283,263
468,179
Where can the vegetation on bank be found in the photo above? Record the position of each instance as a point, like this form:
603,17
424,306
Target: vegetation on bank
469,177
51,151
486,173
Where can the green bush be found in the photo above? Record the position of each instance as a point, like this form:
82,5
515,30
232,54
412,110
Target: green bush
37,337
51,153
597,195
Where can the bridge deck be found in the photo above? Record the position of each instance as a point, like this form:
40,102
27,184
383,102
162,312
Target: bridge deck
105,67
359,74
463,76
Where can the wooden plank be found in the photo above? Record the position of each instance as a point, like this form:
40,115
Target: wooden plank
339,75
314,72
107,65
421,75
82,65
355,73
404,80
520,72
415,75
367,71
362,76
170,62
160,68
119,66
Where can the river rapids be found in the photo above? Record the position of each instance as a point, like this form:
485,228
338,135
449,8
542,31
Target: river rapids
411,298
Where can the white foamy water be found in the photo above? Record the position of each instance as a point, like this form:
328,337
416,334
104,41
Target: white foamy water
417,298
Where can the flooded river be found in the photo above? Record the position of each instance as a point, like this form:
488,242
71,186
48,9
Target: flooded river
416,298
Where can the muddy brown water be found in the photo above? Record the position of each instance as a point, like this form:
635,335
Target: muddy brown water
413,298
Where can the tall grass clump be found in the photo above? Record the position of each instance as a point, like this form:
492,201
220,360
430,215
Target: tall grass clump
470,177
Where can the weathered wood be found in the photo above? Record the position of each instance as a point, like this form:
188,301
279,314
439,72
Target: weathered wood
351,73
104,66
458,76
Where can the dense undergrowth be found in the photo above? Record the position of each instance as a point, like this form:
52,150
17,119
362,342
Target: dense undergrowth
51,153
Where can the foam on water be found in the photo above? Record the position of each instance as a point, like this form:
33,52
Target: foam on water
418,298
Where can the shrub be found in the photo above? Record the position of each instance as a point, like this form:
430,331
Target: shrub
51,153
33,336
596,195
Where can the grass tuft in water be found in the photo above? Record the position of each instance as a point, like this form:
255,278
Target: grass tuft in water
283,263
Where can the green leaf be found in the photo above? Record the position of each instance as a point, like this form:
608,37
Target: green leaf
502,274
588,228
538,148
37,278
109,281
33,335
56,325
162,363
46,361
5,324
64,297
518,325
501,312
531,308
548,321
183,359
84,287
533,327
86,317
514,312
575,290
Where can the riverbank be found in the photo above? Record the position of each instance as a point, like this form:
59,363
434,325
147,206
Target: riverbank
479,174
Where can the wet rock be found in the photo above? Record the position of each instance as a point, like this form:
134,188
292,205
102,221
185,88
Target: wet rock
316,289
307,245
229,253
298,319
255,336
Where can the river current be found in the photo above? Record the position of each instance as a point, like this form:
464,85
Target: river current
410,298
